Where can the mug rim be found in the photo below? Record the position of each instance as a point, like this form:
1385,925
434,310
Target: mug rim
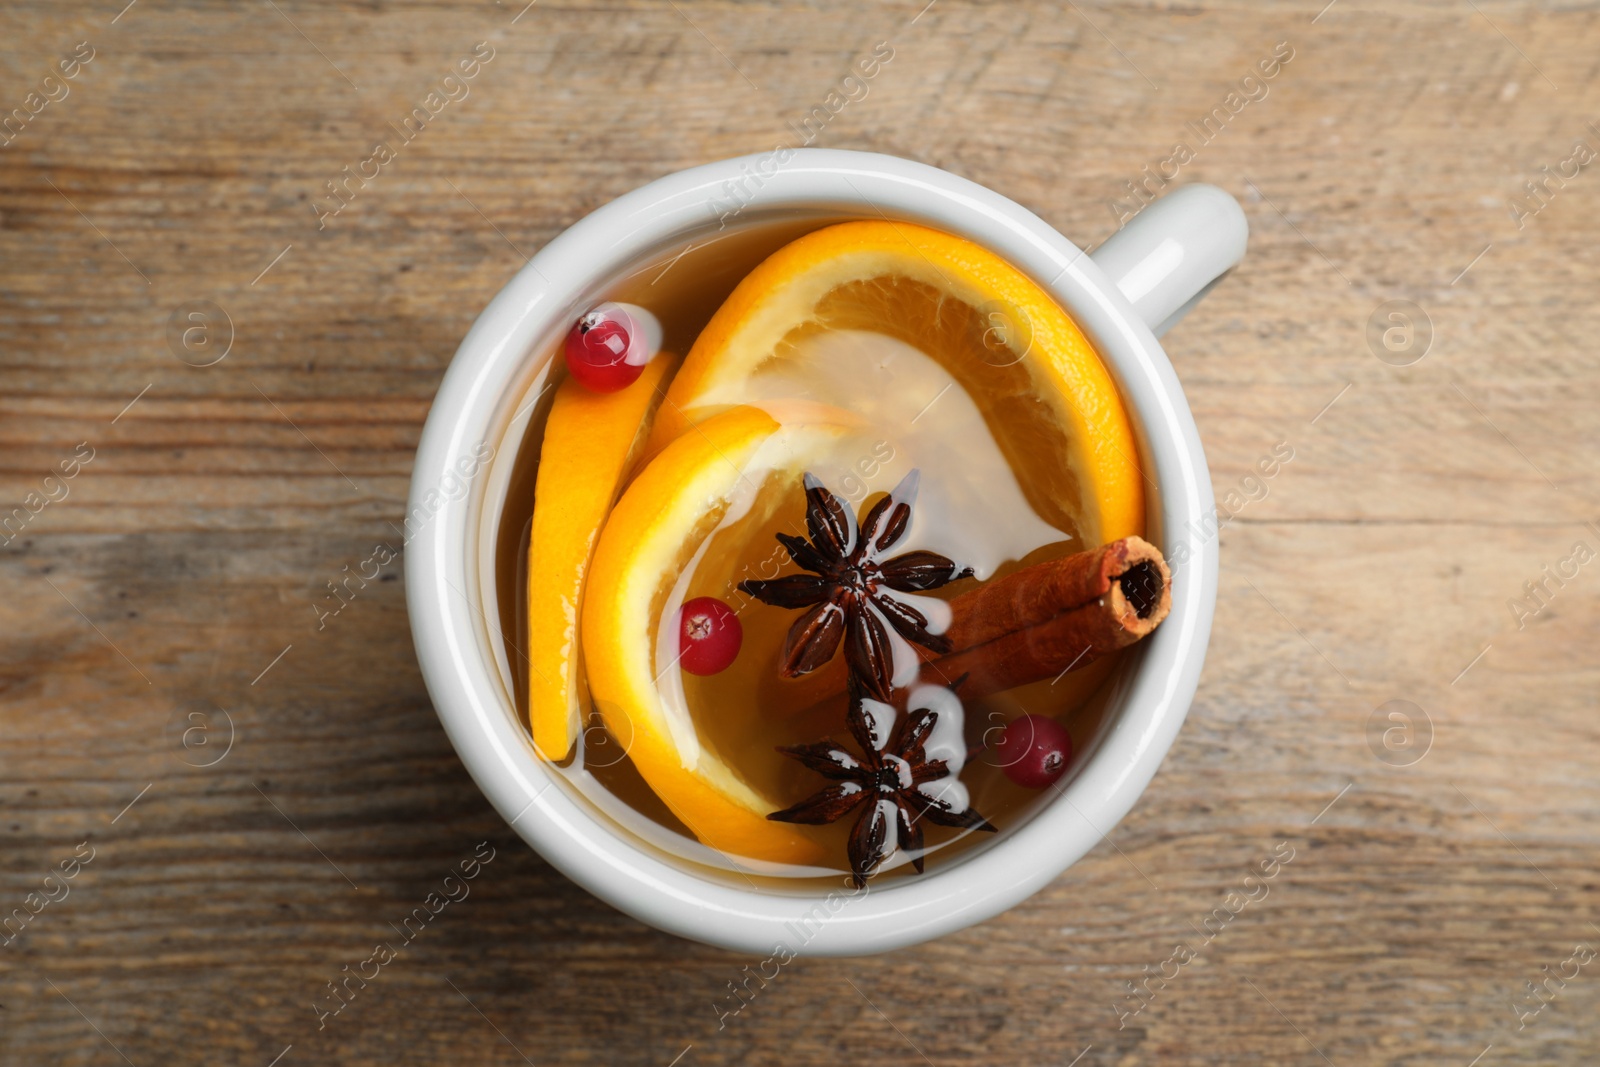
451,633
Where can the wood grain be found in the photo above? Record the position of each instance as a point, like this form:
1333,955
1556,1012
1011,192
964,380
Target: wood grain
190,550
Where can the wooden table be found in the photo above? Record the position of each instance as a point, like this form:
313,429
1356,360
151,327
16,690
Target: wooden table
167,589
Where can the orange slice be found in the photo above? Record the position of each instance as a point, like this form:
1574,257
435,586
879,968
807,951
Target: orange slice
590,442
716,472
1047,399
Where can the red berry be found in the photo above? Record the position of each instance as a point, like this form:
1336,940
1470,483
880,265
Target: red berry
709,635
1034,750
597,350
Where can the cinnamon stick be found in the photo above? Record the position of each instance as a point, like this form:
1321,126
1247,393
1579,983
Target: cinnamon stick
1045,620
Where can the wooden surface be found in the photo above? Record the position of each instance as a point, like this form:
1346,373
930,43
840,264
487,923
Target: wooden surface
190,551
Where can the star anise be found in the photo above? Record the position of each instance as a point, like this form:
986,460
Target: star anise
888,778
849,588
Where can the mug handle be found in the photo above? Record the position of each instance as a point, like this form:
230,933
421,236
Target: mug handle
1174,251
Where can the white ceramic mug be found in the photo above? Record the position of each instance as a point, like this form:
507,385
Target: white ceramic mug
1135,286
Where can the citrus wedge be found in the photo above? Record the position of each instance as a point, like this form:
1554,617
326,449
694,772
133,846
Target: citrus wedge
590,442
1046,398
713,475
